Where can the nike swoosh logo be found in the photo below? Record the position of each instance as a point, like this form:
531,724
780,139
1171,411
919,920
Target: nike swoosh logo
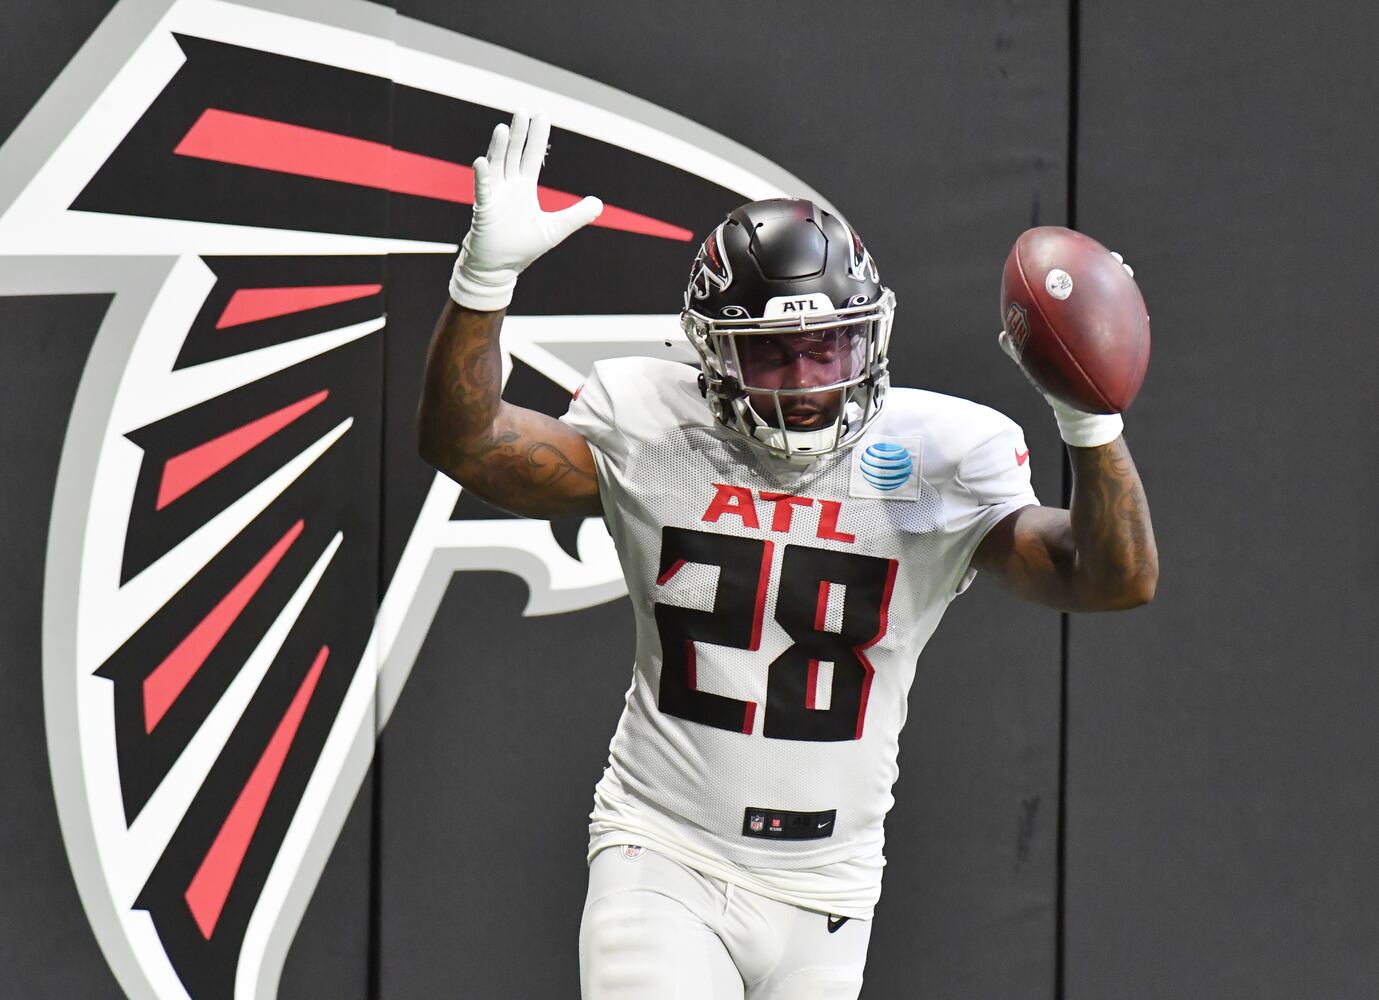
825,823
835,922
1020,456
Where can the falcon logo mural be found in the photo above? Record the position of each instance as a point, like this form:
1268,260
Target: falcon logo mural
244,554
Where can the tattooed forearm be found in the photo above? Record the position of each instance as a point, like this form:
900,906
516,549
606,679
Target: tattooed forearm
1116,558
1100,556
521,460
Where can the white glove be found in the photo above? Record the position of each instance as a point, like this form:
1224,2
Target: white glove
509,229
1081,430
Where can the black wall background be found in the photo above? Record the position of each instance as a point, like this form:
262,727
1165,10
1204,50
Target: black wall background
1221,802
1218,810
46,945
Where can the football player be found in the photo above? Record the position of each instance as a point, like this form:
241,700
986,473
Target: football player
791,530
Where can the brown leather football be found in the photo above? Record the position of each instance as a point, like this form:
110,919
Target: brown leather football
1077,319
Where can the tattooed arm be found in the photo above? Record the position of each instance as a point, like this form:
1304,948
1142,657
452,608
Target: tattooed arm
518,459
1100,556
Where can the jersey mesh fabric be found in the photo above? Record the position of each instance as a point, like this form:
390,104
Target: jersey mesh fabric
686,787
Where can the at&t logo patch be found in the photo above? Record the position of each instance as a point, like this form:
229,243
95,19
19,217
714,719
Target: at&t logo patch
887,469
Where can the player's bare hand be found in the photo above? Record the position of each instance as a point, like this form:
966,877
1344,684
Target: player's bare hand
509,229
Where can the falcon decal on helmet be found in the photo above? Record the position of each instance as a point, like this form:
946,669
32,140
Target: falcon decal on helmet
710,271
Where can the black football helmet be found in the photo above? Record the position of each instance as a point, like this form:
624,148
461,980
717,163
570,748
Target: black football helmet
785,307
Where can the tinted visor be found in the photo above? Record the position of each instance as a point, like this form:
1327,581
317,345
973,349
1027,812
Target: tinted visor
797,359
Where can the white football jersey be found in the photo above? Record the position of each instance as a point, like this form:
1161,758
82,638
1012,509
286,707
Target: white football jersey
779,614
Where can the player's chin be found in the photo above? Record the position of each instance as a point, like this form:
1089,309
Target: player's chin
821,412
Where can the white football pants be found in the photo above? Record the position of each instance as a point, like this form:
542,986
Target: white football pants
654,928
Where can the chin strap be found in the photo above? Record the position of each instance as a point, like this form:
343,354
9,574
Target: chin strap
803,447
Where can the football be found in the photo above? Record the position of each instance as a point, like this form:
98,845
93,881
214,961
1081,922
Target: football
1076,318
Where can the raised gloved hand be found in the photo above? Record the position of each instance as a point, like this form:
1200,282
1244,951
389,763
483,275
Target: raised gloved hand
1081,430
509,229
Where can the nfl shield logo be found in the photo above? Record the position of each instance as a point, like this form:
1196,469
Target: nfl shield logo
1017,325
758,821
